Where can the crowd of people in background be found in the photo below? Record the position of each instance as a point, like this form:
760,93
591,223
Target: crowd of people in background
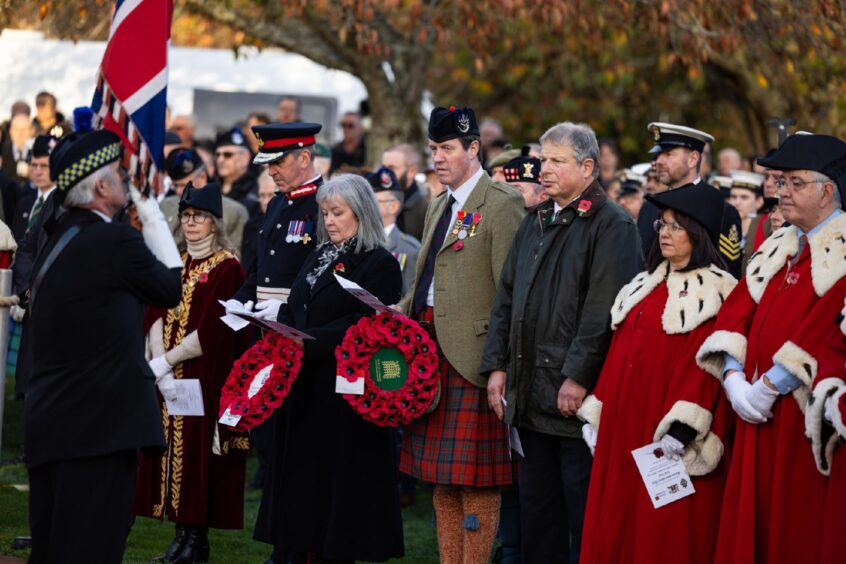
603,308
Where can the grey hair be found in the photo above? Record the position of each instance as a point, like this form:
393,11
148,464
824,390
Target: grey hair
835,195
83,193
356,192
578,135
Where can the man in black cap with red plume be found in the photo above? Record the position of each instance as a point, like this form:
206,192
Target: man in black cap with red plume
91,399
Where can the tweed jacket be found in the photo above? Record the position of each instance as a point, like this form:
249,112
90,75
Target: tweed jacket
467,272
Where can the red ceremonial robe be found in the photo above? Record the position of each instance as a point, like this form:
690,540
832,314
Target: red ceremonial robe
774,494
190,484
649,381
828,341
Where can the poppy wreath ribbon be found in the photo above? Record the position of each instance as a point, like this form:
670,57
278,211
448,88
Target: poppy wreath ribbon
399,363
260,380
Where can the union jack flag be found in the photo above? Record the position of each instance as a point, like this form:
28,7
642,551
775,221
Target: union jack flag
131,94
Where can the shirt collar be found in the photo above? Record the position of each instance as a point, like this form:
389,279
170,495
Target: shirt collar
390,228
49,191
106,218
821,224
463,192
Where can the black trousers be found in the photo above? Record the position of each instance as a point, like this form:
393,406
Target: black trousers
554,477
81,510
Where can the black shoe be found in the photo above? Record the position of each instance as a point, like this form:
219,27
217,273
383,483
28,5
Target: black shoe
175,546
21,543
196,547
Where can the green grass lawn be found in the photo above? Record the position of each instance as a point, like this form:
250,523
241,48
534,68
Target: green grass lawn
150,537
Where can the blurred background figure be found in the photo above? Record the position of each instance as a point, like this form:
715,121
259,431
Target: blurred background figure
523,173
352,150
631,192
254,118
728,160
184,126
404,161
289,109
48,119
609,160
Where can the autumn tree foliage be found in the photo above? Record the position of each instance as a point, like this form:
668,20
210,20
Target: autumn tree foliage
720,65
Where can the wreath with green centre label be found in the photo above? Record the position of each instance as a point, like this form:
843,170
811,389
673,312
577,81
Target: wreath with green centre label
399,363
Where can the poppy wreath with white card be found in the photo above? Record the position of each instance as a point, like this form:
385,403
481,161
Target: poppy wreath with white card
260,381
399,364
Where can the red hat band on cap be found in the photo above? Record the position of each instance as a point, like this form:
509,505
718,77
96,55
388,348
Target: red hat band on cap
289,142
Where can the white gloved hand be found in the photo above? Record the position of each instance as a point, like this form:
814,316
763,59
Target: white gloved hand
17,313
232,305
167,385
590,434
672,447
155,229
736,387
160,366
761,397
268,309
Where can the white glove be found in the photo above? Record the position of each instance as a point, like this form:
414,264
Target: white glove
160,366
155,229
268,309
167,385
736,387
761,397
672,447
17,313
590,434
232,305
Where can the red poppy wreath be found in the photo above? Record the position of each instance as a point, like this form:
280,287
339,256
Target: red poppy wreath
399,364
260,381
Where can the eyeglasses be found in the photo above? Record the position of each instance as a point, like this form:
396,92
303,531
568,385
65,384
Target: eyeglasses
198,218
347,125
795,185
659,225
388,201
224,154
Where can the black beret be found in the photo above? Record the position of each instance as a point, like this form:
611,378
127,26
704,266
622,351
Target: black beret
703,204
383,180
821,153
43,145
182,162
79,154
276,139
233,136
206,198
451,123
522,169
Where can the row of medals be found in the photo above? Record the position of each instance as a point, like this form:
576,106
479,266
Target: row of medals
465,224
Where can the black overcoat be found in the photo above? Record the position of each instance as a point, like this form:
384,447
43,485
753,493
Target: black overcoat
333,489
91,391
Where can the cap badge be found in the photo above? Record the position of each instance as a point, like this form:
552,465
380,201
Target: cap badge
259,139
656,132
237,138
734,236
463,123
528,169
385,180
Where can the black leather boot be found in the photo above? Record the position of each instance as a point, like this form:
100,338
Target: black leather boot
175,546
196,547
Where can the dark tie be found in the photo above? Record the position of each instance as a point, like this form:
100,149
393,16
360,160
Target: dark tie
35,211
803,240
428,274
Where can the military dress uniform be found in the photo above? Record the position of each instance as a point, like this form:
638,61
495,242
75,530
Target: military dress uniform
289,231
668,136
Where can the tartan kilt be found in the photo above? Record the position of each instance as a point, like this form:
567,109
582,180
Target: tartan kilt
461,442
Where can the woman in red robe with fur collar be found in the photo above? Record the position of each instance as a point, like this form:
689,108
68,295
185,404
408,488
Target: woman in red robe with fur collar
651,390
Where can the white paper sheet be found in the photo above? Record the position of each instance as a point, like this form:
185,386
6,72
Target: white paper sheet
666,480
189,399
363,295
344,386
239,319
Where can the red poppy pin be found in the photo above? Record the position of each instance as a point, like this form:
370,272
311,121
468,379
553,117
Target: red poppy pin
793,278
457,246
204,277
584,207
340,267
